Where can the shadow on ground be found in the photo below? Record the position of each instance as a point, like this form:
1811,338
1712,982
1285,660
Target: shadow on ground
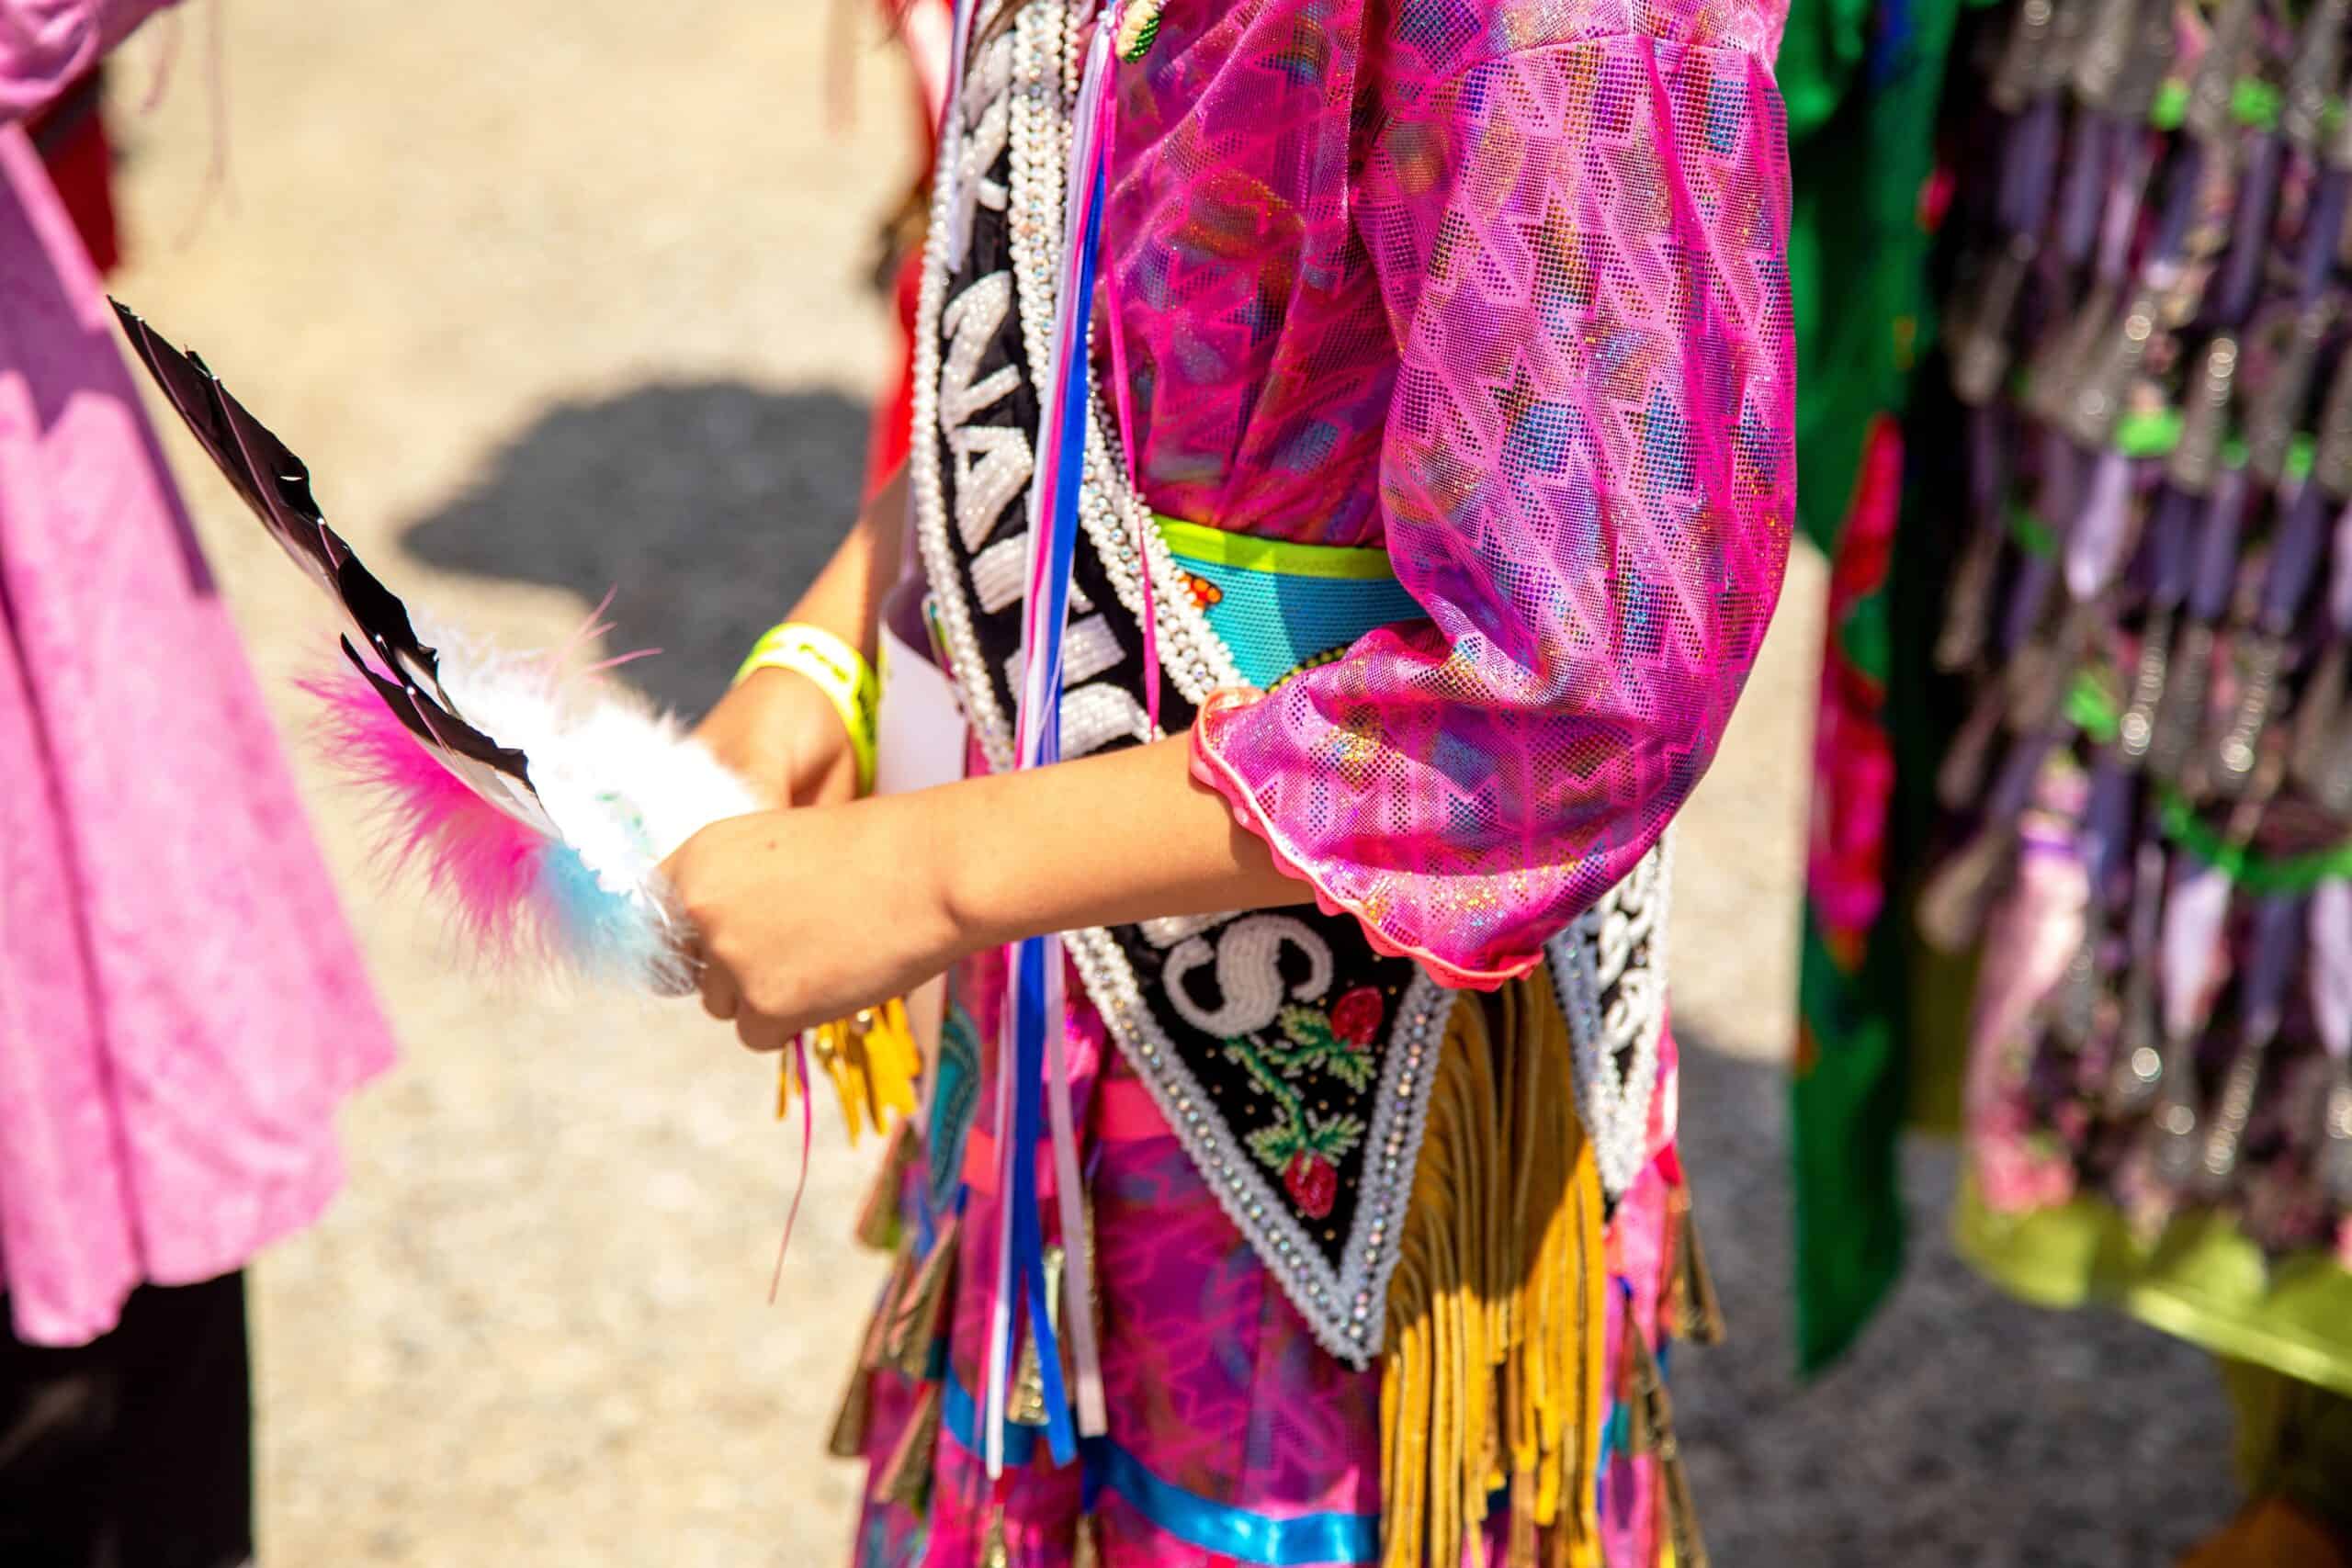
1967,1430
710,506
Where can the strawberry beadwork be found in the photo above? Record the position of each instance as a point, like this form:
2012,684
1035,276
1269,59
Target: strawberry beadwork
1313,1183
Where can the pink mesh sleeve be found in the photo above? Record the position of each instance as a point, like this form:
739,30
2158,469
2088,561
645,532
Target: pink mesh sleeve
1586,480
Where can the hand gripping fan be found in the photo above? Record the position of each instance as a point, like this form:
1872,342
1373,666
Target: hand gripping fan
537,802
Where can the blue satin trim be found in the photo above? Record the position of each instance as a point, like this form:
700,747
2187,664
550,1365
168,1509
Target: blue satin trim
1219,1527
960,1413
1238,1533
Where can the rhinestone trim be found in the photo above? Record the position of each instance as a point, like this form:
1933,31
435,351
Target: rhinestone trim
1609,972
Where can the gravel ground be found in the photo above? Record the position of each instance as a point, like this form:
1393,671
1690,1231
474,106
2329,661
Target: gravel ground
560,294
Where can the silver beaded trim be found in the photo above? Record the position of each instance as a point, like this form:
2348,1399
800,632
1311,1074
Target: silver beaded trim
1344,1308
1197,660
1040,99
1029,215
1609,971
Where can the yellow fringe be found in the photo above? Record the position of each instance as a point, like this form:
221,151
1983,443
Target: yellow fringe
873,1060
1591,1281
1493,1377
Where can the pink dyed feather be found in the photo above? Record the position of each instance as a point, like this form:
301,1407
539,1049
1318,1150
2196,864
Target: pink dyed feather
482,862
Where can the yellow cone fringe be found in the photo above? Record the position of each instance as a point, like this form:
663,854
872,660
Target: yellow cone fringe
873,1060
1492,1381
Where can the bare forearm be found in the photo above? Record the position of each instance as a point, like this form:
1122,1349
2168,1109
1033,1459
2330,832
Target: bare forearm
775,726
846,598
1103,840
805,915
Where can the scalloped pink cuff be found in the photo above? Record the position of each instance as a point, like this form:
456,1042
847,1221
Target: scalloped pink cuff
1217,772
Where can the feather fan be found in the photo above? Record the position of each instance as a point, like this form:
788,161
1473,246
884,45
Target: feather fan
536,804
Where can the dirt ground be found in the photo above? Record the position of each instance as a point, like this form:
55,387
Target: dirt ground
559,295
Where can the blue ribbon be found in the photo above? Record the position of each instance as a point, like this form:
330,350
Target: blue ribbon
1028,1231
1030,1023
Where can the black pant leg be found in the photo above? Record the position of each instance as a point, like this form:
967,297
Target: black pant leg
136,1450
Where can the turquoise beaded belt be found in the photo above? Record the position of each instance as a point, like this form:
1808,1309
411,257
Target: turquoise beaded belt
1281,608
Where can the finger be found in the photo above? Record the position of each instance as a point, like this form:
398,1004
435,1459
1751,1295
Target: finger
685,966
760,1032
720,997
678,973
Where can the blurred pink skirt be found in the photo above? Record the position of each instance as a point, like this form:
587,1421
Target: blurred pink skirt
182,1005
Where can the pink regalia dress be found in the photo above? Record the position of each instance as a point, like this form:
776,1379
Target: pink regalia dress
1453,348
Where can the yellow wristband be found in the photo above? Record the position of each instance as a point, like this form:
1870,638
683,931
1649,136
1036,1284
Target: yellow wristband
838,671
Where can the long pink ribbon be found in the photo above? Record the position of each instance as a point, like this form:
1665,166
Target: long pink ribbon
1123,399
808,1142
